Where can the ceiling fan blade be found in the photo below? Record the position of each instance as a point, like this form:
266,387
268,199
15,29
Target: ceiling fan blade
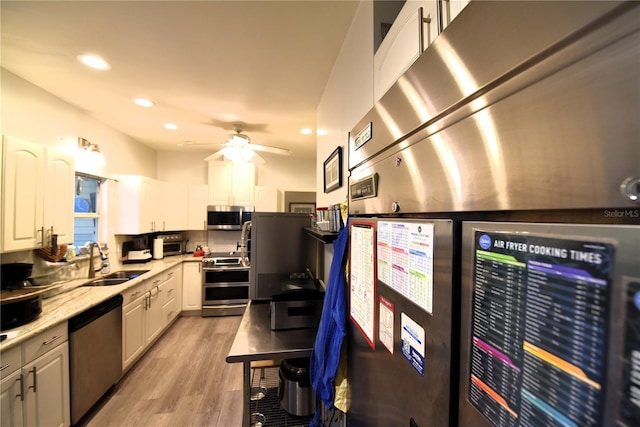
268,149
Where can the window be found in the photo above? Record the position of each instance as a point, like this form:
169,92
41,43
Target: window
86,210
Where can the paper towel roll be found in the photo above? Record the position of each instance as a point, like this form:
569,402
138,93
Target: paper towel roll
157,248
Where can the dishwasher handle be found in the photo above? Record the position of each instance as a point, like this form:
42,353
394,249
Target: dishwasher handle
94,313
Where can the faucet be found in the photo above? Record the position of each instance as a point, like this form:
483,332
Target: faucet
92,267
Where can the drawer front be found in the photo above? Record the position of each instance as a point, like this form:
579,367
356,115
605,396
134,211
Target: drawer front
42,343
156,280
170,310
10,361
134,293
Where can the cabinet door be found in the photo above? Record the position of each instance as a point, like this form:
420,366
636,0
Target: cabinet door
150,218
219,182
174,198
173,287
59,196
47,389
451,9
10,400
133,339
197,207
154,319
23,171
192,286
400,48
243,182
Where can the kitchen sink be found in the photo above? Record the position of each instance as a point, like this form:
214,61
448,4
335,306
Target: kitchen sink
125,274
116,278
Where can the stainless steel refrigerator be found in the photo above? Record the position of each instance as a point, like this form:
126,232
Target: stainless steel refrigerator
494,193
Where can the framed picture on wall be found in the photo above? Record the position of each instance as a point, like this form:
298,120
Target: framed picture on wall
302,207
333,171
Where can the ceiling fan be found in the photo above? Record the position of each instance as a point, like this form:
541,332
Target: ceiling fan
239,147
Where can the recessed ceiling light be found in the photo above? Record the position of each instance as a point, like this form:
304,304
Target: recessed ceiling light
306,131
94,61
321,132
171,126
143,102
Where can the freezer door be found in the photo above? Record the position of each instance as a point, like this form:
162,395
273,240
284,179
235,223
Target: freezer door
549,324
400,345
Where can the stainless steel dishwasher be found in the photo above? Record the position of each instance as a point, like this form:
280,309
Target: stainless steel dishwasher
95,353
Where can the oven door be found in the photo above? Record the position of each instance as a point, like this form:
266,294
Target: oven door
225,291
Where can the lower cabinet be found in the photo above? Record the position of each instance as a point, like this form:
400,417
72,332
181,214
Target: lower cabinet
35,389
148,309
192,286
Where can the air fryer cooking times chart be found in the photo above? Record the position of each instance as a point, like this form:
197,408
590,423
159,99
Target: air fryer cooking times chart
539,322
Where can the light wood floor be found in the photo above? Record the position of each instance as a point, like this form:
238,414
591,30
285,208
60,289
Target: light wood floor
183,380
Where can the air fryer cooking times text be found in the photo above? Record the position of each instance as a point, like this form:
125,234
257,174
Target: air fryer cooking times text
539,329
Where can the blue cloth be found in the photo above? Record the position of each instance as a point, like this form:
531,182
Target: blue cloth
325,356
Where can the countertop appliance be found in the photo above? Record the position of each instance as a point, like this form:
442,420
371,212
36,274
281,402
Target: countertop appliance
95,354
227,217
136,250
172,244
225,284
20,301
494,237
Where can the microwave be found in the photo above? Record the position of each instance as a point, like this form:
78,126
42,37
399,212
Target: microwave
227,217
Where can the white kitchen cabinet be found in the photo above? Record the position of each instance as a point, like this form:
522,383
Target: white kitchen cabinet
153,316
267,199
231,183
137,204
147,312
37,195
413,30
59,197
35,389
133,324
46,389
451,9
11,388
191,286
197,207
171,295
174,198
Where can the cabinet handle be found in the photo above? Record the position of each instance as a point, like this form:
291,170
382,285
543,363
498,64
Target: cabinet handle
3,367
135,294
41,231
35,374
170,274
52,340
21,394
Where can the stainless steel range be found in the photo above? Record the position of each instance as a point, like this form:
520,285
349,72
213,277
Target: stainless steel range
225,283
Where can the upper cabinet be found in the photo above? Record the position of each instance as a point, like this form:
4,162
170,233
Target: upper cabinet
37,195
231,183
197,207
451,9
415,27
146,205
413,30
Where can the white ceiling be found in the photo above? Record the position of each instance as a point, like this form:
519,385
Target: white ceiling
205,64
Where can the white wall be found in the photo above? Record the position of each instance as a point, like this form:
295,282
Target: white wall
31,114
348,96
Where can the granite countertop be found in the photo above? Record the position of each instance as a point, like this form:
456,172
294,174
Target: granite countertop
67,299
